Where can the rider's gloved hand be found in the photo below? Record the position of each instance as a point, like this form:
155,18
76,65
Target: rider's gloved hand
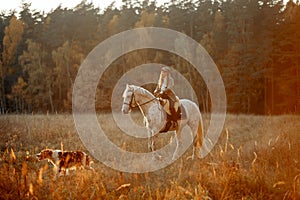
156,92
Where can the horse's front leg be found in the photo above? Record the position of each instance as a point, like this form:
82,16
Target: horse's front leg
151,142
151,145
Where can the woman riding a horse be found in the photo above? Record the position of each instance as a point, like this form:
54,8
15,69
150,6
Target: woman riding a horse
167,97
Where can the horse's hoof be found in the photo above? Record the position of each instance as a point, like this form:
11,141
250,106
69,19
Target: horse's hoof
156,157
174,157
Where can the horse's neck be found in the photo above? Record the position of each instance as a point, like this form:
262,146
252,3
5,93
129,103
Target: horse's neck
143,95
144,98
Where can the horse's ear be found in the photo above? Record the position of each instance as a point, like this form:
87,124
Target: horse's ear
126,89
128,86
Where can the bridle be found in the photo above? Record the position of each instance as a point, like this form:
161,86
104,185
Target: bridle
136,104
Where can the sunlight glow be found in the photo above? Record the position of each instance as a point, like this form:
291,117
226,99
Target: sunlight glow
48,5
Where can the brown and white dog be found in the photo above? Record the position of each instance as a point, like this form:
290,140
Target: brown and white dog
65,160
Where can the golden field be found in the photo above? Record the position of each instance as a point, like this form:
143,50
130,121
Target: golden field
256,157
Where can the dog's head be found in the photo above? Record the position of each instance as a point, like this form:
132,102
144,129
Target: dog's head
45,154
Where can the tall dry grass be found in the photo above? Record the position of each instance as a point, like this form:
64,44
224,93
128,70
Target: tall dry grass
257,157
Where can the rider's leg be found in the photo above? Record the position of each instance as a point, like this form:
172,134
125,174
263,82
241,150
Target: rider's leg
175,113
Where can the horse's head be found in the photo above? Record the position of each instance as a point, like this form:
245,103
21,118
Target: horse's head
127,99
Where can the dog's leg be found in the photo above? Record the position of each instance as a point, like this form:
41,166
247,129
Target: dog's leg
56,172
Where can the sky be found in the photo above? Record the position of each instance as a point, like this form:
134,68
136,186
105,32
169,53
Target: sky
48,5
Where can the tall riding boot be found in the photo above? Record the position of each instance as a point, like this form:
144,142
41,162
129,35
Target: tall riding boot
167,127
174,115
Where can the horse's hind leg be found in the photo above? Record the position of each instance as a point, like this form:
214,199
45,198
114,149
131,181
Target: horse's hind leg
194,146
151,145
178,144
194,133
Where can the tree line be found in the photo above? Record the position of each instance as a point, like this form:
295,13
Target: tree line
255,44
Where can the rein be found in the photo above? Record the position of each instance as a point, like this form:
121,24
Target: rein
138,105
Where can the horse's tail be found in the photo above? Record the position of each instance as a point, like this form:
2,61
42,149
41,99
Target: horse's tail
203,149
200,133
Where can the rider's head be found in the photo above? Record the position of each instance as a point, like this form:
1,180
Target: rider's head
165,70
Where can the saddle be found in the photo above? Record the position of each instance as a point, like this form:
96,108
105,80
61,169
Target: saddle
174,110
172,121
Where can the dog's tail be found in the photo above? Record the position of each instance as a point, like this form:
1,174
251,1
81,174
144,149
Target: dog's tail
87,160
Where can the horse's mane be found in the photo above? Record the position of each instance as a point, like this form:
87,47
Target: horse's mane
143,91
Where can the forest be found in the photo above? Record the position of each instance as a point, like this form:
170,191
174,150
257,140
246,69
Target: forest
254,43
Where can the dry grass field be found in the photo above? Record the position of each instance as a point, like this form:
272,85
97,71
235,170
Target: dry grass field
257,157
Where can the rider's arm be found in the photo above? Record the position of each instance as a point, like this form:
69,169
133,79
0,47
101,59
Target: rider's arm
164,84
